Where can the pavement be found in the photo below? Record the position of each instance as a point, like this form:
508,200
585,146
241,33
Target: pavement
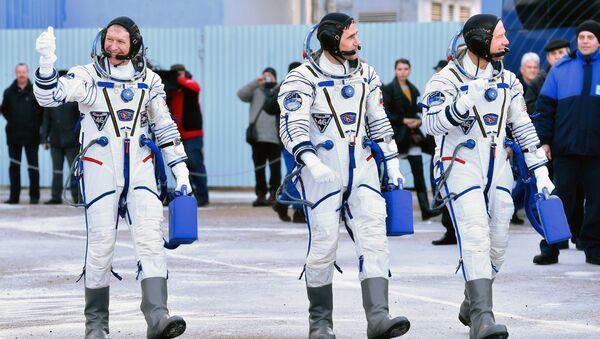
240,280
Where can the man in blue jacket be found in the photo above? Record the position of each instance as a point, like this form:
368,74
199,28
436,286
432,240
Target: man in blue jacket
568,107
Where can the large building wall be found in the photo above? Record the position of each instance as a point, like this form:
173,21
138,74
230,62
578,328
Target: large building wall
189,13
224,58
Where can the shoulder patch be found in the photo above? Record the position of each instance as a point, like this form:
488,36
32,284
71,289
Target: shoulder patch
292,101
435,99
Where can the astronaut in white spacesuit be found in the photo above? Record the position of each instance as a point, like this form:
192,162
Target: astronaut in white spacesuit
334,96
121,101
467,108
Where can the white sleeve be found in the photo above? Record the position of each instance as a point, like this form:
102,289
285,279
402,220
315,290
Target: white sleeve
77,85
439,106
518,119
376,121
163,126
296,96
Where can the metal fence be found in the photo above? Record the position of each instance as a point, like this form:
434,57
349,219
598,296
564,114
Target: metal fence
223,59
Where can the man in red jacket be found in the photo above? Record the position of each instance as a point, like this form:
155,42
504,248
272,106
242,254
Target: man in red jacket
184,105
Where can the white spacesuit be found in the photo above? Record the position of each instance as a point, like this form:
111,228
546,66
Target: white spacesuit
461,108
320,101
310,117
123,103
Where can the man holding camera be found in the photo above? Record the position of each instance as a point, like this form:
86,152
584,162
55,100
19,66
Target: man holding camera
263,136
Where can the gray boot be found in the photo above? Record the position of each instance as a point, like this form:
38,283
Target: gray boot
96,313
463,313
483,324
375,301
320,312
154,307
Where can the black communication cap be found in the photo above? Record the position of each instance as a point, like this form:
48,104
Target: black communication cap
478,32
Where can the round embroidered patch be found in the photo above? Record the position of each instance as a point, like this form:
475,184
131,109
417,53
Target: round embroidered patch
292,101
436,98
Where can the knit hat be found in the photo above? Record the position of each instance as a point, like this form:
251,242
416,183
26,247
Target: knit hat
590,26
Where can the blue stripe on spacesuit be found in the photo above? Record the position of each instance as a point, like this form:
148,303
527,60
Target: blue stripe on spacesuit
176,161
299,147
465,192
106,84
46,82
328,195
46,87
327,83
490,173
305,207
52,75
450,117
352,166
85,208
97,198
147,189
499,85
371,188
123,197
452,214
503,189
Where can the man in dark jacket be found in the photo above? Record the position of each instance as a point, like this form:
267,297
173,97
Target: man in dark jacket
555,50
400,102
60,134
184,104
567,125
23,119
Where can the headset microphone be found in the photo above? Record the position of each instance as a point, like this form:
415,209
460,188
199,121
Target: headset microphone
349,53
497,55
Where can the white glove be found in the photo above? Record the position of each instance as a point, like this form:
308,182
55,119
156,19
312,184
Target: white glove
393,172
542,179
475,92
182,175
319,171
46,46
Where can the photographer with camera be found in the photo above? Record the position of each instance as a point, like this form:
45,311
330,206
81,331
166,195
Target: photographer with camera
184,104
262,135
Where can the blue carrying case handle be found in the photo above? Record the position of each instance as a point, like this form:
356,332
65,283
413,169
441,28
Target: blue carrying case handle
545,211
398,201
162,174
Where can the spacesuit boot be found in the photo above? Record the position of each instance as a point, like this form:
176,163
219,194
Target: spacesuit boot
154,307
320,312
96,313
483,324
463,313
375,301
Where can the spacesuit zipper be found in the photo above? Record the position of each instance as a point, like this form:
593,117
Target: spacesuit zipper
126,160
490,172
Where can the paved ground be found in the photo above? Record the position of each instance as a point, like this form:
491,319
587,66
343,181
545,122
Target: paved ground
241,280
